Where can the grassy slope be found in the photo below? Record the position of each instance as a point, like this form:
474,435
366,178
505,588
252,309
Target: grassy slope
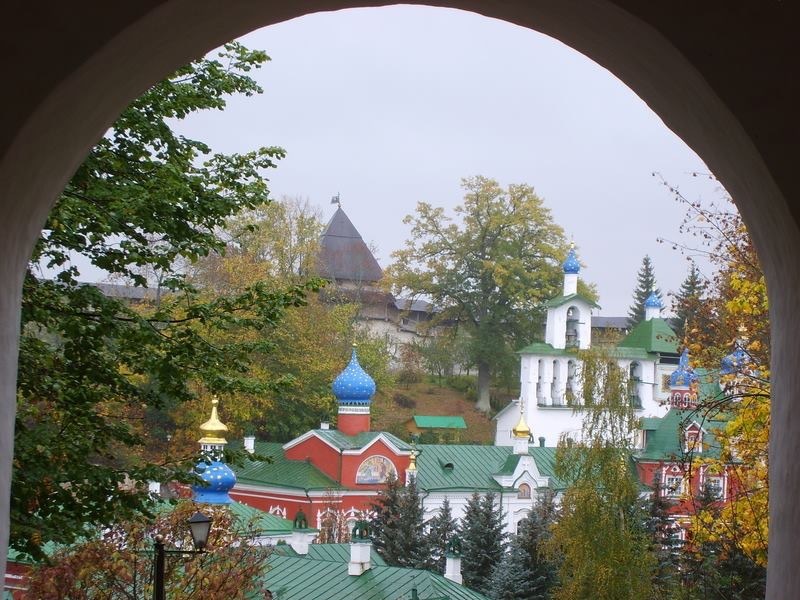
430,400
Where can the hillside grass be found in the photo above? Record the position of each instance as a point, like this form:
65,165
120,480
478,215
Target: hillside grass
391,410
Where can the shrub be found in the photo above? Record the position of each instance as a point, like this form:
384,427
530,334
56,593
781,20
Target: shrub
404,401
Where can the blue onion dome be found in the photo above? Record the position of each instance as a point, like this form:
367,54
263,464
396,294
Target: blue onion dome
684,375
735,362
571,265
353,385
653,301
219,480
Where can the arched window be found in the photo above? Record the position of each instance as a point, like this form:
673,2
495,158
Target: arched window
524,491
571,389
573,320
634,377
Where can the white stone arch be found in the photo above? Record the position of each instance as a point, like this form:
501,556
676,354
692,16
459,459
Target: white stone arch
573,392
573,332
80,88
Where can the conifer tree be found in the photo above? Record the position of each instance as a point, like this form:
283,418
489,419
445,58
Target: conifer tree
398,527
440,529
666,548
645,285
688,313
526,573
482,541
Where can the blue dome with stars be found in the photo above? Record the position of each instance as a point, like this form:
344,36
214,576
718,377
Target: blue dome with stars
735,362
653,301
684,375
353,385
571,265
219,480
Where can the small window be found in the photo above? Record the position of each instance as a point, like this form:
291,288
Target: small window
673,486
714,486
524,491
693,441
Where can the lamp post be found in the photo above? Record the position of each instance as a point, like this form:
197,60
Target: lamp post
199,526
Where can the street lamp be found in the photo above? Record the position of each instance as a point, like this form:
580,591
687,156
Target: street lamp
200,526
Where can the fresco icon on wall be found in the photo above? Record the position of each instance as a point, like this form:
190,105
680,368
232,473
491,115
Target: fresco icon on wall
375,469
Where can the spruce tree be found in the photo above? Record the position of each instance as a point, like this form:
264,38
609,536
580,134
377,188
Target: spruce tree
645,285
482,541
688,302
440,529
666,548
397,527
526,573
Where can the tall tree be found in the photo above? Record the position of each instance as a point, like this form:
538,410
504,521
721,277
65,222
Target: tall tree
526,572
119,565
90,366
645,285
398,528
276,242
688,303
600,533
666,548
441,529
735,315
483,541
489,269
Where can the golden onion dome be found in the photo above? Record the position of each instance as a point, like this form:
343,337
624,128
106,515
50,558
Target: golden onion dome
521,429
412,461
213,429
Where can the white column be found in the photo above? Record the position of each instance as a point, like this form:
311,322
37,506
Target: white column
546,381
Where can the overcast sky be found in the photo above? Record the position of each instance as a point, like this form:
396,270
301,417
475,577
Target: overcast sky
391,106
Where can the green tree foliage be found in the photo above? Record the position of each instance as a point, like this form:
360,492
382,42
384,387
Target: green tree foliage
688,303
441,528
645,285
397,527
276,242
526,572
91,368
600,533
438,354
119,565
490,268
279,243
483,541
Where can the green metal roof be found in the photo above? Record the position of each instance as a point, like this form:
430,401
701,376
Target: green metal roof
651,423
263,522
560,300
455,467
667,441
654,335
297,474
435,422
338,553
545,459
356,442
510,465
542,348
303,579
